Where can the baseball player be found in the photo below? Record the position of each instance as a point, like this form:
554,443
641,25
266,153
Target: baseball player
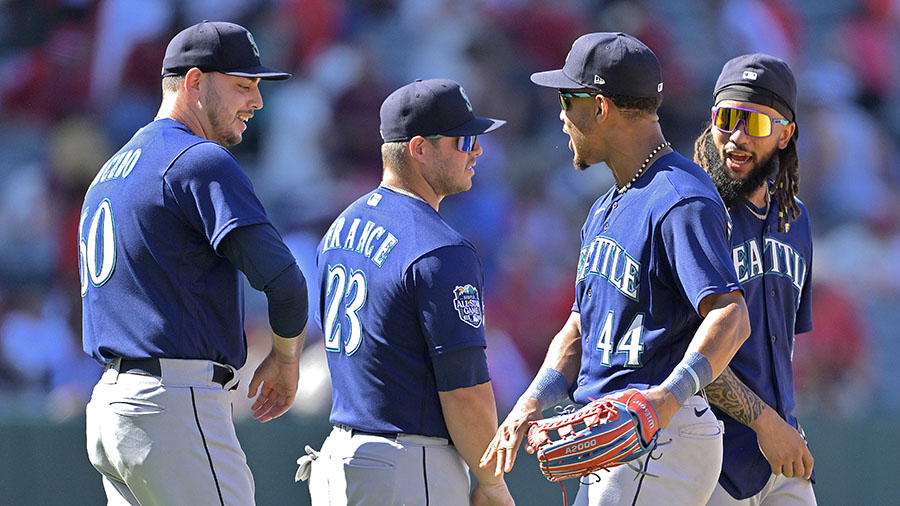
166,226
403,317
750,151
658,306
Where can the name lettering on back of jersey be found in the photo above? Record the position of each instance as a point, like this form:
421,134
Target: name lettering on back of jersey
774,258
468,305
605,258
372,241
120,165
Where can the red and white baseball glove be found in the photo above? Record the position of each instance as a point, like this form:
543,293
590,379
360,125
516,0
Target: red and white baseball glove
606,433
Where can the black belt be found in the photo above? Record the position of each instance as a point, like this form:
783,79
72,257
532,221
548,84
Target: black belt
386,435
151,367
358,432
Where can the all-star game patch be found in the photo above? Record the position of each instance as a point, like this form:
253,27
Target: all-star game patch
468,305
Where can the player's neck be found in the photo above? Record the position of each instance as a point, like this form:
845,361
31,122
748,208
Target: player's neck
173,108
626,163
760,196
422,191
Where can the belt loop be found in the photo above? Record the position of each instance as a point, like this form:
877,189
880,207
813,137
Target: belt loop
114,365
235,378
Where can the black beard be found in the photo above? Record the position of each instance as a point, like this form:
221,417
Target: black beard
733,190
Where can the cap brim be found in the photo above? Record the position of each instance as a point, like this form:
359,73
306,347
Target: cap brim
261,72
555,79
475,126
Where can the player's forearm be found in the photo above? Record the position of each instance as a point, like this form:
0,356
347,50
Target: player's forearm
735,399
471,417
551,384
288,349
564,353
723,331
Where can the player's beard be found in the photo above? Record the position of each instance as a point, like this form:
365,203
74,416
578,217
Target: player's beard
223,131
579,163
445,180
732,189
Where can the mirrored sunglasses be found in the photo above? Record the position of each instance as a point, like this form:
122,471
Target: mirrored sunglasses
564,95
756,124
465,143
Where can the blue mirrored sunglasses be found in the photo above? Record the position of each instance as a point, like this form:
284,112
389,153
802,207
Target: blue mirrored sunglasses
465,143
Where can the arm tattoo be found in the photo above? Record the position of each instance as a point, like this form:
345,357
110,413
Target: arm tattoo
732,396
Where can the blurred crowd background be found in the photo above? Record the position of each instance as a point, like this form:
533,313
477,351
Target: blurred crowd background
80,76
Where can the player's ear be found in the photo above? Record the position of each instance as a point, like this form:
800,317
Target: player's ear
418,146
192,83
603,104
786,133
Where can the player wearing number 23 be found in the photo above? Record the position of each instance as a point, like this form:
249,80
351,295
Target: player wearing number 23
403,316
658,306
166,226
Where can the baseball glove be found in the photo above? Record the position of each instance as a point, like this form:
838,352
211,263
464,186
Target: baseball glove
617,429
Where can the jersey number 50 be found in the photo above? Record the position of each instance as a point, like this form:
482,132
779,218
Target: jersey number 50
97,251
346,291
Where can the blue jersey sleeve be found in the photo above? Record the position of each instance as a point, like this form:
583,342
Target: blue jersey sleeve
212,191
804,321
446,286
695,239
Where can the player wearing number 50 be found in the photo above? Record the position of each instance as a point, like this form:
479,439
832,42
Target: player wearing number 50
167,226
750,151
657,305
403,317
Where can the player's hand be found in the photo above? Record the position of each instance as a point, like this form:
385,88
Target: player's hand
509,436
492,494
664,403
783,446
276,378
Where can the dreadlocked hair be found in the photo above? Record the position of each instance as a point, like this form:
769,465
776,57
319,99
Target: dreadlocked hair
700,156
787,185
787,180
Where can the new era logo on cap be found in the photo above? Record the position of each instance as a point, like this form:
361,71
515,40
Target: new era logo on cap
749,74
627,66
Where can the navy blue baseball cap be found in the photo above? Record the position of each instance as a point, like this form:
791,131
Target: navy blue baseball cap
431,107
761,79
217,46
612,63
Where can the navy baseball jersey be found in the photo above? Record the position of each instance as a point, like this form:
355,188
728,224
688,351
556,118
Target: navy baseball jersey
150,225
397,286
648,257
774,269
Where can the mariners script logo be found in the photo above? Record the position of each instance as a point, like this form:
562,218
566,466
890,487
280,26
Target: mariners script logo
468,305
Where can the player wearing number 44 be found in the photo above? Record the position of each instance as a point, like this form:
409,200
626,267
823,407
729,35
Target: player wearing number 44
167,227
657,305
403,316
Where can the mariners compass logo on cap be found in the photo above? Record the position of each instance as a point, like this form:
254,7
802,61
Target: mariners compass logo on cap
253,44
217,46
466,98
431,107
